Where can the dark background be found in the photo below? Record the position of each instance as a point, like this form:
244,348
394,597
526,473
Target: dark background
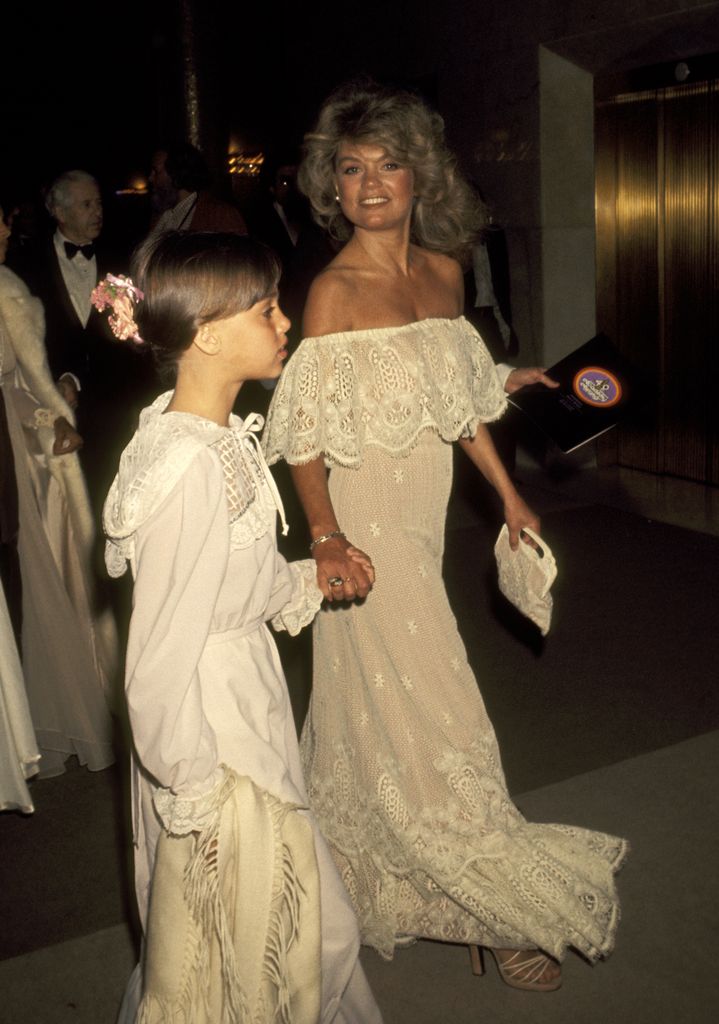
99,86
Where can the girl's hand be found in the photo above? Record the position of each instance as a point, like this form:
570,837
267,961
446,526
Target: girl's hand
344,573
517,515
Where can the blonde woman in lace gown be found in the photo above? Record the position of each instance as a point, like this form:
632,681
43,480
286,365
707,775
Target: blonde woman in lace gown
400,757
244,914
69,647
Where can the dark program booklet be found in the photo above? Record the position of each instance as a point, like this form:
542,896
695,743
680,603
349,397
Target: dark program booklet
596,385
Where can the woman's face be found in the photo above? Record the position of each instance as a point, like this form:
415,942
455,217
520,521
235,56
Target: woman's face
4,236
375,190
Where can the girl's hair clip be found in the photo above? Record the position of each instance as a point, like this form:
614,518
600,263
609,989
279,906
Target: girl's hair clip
119,294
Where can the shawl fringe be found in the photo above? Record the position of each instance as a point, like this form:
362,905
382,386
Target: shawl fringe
210,920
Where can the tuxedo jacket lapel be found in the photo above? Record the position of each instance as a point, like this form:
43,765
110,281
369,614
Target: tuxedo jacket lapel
63,302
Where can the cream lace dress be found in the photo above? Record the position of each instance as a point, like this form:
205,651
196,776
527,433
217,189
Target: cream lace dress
69,645
401,760
216,760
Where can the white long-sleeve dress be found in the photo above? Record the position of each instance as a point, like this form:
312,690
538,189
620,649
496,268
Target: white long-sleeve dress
69,645
401,760
19,755
193,510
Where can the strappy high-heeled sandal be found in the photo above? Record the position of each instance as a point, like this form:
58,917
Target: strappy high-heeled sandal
518,970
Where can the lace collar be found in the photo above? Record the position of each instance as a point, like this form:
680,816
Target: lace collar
158,456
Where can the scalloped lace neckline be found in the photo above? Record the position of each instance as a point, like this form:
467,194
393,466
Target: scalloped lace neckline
459,320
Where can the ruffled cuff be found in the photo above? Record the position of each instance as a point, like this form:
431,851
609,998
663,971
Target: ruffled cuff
42,418
191,810
305,600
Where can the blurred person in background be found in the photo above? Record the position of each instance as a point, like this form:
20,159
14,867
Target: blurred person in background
69,647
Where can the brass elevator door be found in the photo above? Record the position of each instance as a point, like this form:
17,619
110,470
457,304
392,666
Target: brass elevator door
657,218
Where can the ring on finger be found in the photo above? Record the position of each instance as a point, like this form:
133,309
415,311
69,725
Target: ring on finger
335,581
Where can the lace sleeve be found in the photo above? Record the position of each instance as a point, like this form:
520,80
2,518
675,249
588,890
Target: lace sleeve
305,598
381,387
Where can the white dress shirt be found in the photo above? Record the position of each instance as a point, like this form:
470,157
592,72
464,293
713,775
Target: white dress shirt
79,275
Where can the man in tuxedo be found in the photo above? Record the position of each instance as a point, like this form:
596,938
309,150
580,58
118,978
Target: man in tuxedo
100,377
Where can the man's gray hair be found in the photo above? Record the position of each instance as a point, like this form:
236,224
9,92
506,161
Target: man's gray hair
56,197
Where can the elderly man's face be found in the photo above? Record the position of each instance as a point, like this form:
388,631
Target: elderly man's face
80,218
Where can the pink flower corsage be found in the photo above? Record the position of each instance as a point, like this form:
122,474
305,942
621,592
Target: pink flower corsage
120,294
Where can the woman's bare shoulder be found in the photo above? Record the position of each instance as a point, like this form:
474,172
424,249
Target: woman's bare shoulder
442,282
445,267
329,301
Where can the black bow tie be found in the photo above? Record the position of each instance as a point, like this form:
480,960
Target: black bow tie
88,251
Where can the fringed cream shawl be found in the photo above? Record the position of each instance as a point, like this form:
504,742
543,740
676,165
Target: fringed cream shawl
232,937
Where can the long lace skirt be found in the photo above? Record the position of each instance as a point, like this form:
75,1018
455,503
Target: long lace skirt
401,760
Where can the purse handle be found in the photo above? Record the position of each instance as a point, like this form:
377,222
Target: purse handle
538,546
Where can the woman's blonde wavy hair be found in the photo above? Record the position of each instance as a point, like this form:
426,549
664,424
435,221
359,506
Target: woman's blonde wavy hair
447,215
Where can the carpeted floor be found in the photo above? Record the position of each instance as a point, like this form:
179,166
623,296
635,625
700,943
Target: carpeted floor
630,662
662,971
601,724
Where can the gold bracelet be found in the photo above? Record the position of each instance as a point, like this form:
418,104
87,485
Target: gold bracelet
324,537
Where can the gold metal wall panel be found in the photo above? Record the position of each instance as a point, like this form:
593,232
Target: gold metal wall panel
657,211
686,281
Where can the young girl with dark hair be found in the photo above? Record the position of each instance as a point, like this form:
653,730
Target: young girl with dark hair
244,915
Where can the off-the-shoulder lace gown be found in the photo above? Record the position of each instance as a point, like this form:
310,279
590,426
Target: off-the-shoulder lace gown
401,760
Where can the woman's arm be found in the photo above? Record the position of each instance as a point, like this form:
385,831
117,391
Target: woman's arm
334,556
25,321
517,513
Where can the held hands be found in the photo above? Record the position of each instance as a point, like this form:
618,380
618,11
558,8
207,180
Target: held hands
519,378
67,439
344,573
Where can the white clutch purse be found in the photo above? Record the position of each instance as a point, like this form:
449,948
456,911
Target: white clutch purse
525,576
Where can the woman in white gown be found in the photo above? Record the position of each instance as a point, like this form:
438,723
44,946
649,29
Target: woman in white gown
401,760
244,915
69,648
19,755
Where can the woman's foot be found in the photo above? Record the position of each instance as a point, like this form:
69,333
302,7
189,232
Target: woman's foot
526,969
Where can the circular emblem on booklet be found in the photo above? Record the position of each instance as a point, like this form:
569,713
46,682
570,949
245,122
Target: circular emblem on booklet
597,387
